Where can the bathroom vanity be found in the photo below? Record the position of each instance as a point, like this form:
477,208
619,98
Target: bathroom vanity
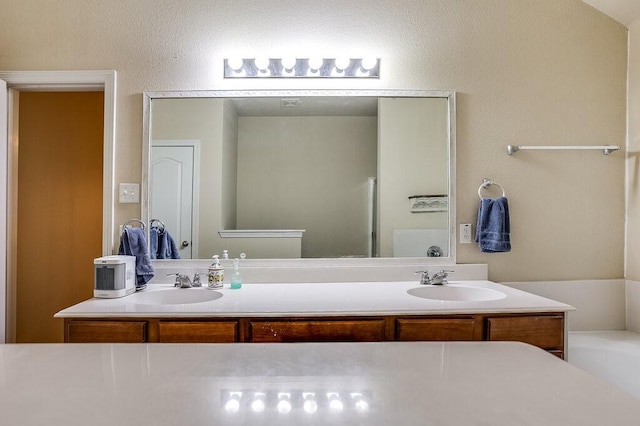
314,312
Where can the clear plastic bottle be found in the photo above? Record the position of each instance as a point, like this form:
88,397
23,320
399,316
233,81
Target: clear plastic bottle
236,277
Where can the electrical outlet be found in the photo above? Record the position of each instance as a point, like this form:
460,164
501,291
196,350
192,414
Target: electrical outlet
129,192
465,233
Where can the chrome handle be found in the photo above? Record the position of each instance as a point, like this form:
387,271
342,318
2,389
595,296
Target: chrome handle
185,244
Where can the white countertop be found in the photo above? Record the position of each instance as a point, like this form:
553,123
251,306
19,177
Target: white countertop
417,383
353,298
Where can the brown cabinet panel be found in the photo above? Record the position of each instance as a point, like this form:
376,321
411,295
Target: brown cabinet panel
317,331
105,331
437,329
197,331
546,332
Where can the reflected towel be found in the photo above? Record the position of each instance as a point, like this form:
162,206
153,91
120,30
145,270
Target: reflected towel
133,243
167,248
154,235
493,227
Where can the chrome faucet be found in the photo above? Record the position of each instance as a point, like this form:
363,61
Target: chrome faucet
439,278
183,281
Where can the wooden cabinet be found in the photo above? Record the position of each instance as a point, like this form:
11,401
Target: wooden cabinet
96,331
439,329
317,331
545,330
197,331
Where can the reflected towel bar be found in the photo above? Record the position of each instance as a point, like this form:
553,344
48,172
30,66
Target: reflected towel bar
606,149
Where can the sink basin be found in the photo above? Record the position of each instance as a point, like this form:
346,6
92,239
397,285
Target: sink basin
174,296
456,293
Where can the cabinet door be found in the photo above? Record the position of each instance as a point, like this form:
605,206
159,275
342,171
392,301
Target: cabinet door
438,329
317,331
546,332
105,331
197,331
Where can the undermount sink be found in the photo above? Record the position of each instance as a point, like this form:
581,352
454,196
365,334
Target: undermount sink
174,296
456,293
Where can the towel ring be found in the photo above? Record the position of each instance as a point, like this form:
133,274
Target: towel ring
133,220
486,183
153,223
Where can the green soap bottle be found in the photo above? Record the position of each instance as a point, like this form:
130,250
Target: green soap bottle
236,277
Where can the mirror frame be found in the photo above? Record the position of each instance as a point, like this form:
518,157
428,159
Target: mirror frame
450,95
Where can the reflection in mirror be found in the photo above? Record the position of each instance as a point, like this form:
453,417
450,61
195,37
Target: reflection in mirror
313,175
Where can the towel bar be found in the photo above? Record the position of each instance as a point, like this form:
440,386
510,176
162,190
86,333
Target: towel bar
133,220
161,223
606,149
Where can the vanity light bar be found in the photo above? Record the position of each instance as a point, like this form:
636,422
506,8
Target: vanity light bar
302,67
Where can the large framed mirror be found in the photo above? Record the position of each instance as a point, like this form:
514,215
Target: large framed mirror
329,174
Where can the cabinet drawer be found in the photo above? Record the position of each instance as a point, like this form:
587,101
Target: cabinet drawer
105,331
546,332
317,331
197,331
436,329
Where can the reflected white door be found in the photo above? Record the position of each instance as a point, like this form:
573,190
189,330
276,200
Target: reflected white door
171,186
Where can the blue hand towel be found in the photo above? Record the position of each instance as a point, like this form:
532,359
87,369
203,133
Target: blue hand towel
167,248
154,236
133,243
493,228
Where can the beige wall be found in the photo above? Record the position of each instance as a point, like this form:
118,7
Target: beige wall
527,72
633,157
333,157
203,120
229,166
413,159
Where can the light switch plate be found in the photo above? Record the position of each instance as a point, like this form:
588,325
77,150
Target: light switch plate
129,192
465,233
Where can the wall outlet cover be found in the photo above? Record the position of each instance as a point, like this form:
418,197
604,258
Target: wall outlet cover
465,233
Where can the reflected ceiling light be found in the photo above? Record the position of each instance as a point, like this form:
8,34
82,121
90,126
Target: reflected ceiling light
310,405
367,67
258,404
284,403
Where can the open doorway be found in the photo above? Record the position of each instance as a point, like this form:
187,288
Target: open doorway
102,83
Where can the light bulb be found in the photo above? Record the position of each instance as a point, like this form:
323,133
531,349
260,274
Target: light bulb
369,63
288,62
342,63
262,62
315,63
235,63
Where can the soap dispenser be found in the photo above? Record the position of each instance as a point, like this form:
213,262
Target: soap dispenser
236,277
215,274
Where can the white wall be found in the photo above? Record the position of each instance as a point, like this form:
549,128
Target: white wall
526,72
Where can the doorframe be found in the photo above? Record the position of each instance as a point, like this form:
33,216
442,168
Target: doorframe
104,80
